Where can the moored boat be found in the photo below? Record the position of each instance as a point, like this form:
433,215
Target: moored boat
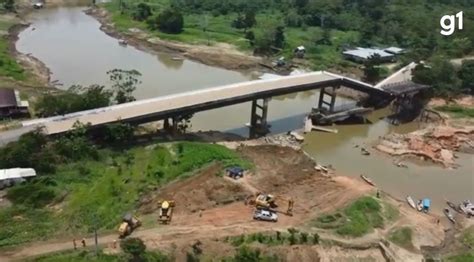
453,206
449,215
368,180
411,202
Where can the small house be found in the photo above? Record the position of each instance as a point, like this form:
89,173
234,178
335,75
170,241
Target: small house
361,55
11,105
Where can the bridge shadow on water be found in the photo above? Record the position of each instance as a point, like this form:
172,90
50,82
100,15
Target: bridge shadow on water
291,123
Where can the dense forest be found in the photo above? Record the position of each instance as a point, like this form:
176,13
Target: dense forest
412,24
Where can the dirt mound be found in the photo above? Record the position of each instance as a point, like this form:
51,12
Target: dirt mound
207,198
205,190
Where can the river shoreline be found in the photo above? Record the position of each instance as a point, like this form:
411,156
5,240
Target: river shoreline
220,55
40,71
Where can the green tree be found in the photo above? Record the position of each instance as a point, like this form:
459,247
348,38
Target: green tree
301,3
279,39
293,19
169,21
120,132
441,75
142,12
315,238
372,71
249,19
134,247
76,98
9,5
467,75
124,83
250,35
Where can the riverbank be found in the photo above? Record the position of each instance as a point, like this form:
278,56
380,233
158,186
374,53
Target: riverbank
219,55
25,72
207,201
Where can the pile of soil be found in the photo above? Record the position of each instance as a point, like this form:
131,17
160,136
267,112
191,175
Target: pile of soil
436,143
200,192
209,198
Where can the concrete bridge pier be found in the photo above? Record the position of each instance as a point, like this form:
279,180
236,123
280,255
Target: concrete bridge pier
258,117
170,125
327,99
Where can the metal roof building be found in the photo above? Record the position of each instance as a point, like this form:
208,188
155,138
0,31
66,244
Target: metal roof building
7,98
363,54
11,105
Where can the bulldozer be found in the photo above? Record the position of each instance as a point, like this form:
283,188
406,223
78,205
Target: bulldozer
129,223
165,211
269,202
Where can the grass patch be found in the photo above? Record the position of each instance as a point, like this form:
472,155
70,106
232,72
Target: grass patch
456,110
466,257
402,237
362,215
89,256
292,237
8,65
390,212
467,237
20,224
90,192
356,220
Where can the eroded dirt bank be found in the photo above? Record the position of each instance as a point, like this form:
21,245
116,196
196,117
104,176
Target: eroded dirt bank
437,143
220,55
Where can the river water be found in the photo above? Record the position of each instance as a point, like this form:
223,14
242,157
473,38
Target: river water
71,44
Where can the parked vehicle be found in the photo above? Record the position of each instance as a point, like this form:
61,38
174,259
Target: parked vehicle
235,172
265,215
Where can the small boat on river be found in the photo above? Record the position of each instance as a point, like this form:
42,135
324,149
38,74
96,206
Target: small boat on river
449,215
454,207
368,180
411,202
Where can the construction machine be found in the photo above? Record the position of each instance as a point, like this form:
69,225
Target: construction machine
129,223
269,202
165,211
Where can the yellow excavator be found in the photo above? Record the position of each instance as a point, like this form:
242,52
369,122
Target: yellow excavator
165,211
269,202
129,223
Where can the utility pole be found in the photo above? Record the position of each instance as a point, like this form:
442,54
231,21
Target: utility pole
95,235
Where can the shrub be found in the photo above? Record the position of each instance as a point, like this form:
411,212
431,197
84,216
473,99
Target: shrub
133,246
142,12
35,195
315,238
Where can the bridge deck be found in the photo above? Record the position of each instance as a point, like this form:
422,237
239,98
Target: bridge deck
200,100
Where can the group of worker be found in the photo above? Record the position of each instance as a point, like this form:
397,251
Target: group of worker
83,242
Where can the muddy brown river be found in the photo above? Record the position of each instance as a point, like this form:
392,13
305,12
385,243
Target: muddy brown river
71,44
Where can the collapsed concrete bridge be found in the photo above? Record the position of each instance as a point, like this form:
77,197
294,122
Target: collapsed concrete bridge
175,106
